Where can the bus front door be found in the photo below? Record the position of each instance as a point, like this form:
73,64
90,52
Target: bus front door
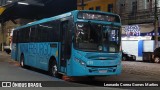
64,49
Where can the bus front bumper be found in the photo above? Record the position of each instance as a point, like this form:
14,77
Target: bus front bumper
96,71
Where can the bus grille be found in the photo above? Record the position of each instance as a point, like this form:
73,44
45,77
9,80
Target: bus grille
101,66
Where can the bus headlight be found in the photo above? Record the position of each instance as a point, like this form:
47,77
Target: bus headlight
80,61
112,49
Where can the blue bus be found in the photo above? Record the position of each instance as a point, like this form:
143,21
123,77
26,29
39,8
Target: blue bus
77,43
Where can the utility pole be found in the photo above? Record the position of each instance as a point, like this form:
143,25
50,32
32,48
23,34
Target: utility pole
156,25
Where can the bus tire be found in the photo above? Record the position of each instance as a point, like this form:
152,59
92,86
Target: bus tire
22,61
53,69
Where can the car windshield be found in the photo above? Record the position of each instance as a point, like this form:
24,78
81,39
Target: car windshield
96,37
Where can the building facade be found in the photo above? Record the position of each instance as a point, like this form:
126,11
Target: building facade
101,5
5,33
138,17
137,11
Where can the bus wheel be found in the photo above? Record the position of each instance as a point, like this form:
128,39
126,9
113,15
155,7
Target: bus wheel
157,60
53,69
22,61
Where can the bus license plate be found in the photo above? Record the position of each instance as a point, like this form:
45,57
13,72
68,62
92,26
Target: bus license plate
102,71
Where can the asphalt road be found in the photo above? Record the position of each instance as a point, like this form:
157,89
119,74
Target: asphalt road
132,71
136,71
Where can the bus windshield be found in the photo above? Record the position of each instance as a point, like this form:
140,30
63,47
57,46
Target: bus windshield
97,37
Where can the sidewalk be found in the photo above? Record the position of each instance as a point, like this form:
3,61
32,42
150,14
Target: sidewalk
4,57
4,53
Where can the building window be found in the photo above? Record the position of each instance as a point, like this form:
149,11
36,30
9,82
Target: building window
3,2
110,7
98,8
122,8
91,8
134,7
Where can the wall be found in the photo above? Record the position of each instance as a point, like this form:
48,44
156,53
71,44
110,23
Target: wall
102,3
148,46
137,47
131,47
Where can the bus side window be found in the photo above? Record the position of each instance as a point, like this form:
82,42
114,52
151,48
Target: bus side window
48,32
27,34
38,33
32,34
24,35
52,31
15,36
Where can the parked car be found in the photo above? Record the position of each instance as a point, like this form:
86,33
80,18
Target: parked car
156,55
128,57
7,49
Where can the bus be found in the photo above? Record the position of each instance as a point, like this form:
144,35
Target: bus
76,43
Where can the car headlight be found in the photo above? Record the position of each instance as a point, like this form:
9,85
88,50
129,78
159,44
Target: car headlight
80,61
112,49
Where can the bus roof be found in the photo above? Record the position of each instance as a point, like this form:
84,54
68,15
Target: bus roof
59,17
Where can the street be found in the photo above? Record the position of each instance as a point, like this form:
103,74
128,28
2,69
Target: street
136,71
132,71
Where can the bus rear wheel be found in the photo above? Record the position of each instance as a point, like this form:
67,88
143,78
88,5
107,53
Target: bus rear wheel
22,61
53,69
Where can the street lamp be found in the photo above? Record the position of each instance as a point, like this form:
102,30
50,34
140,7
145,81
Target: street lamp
23,3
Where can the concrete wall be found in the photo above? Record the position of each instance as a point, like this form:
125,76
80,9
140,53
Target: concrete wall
148,46
131,47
